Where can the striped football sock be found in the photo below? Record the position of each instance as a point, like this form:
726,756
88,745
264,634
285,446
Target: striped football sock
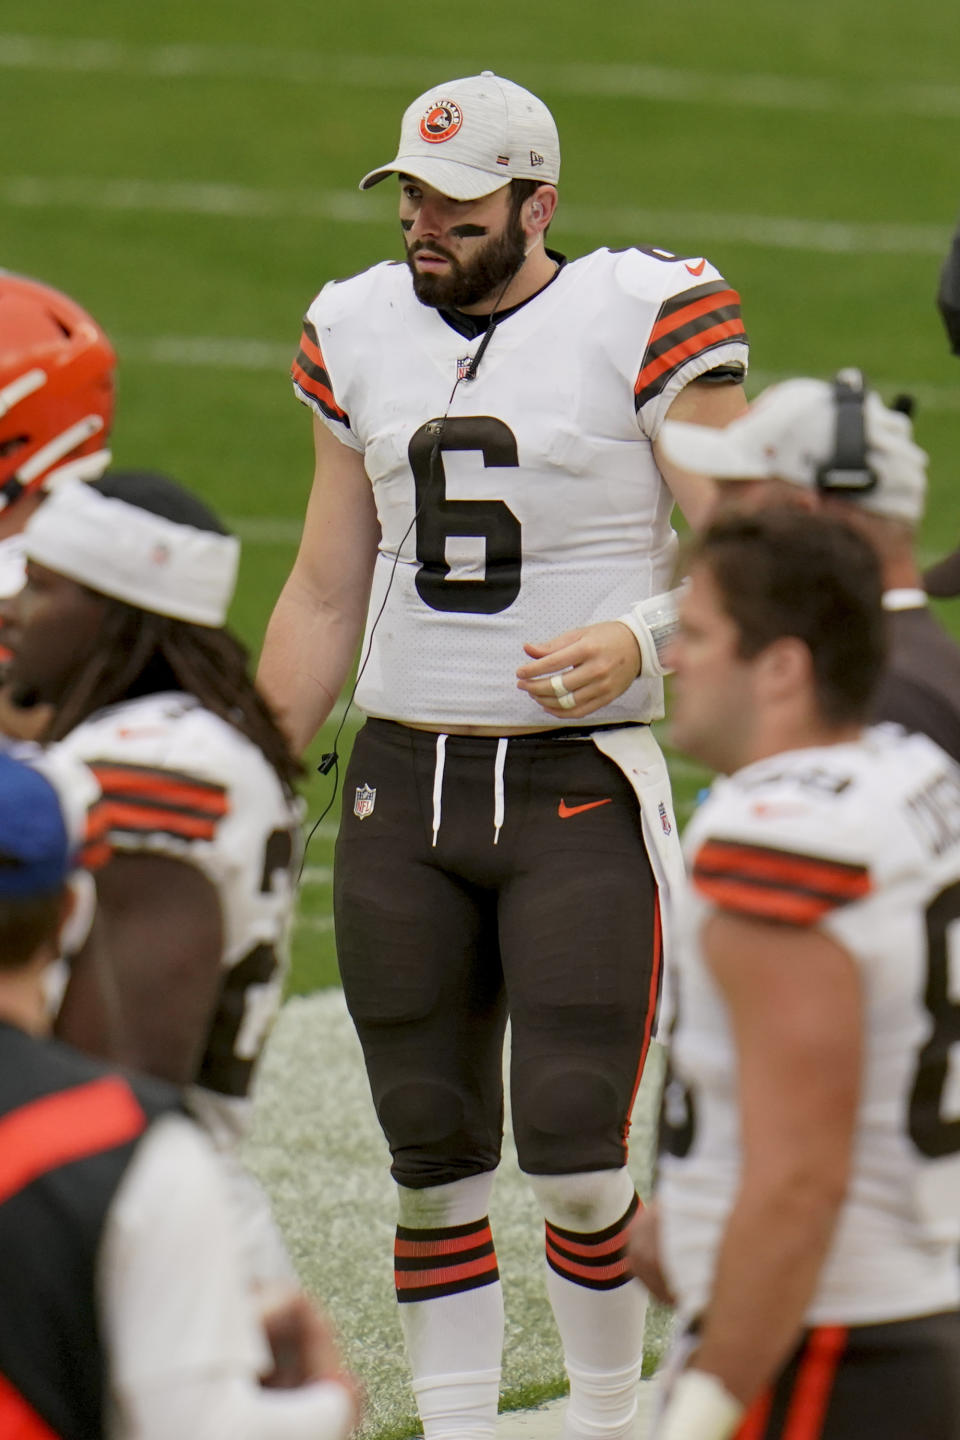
451,1307
599,1309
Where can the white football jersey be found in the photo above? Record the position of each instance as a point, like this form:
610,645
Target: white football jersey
525,501
177,780
861,840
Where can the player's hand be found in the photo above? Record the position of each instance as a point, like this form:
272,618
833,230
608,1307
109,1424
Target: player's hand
643,1253
303,1347
595,665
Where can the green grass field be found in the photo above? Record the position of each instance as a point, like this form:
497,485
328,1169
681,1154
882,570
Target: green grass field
189,172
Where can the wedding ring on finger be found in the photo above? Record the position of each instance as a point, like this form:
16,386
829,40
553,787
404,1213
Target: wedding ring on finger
565,700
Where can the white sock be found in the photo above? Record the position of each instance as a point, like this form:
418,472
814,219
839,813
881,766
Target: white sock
454,1327
599,1310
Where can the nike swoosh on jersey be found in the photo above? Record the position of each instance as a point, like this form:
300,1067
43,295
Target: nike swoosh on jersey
696,269
565,811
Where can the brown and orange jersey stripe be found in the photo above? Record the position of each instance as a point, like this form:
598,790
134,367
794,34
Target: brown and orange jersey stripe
18,1418
95,848
311,378
141,800
688,325
66,1126
771,884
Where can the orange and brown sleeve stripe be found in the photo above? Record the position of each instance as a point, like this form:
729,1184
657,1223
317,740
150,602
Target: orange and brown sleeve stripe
430,1263
311,379
70,1125
688,325
18,1419
140,800
595,1260
95,848
770,884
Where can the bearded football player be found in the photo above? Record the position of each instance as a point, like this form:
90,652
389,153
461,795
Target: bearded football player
120,630
489,494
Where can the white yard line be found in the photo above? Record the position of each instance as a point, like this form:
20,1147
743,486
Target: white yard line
36,53
319,924
267,356
328,830
221,200
318,875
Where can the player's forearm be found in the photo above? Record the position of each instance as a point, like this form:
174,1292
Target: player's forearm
772,1252
307,653
225,1407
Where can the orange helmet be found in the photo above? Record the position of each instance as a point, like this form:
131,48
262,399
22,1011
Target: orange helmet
56,388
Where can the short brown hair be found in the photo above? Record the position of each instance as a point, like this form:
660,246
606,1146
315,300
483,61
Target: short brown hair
521,190
26,924
784,571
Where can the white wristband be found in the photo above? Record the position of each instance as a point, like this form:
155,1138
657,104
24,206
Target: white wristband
654,624
700,1407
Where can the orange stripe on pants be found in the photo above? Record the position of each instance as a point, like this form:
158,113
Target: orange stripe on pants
814,1382
754,1424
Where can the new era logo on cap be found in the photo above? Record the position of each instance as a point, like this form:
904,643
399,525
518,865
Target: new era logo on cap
470,137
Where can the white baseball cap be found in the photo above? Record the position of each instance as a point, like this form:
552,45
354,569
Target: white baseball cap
790,433
470,137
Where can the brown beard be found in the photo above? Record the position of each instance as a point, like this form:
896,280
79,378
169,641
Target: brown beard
490,270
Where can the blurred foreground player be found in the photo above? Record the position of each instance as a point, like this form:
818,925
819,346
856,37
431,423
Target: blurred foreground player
948,293
56,403
808,1199
124,1313
120,629
56,409
943,578
490,493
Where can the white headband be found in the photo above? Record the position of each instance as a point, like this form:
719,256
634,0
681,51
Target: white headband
133,555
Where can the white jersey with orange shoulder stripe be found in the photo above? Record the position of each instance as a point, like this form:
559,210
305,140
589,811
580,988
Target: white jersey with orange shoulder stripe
861,840
529,503
176,780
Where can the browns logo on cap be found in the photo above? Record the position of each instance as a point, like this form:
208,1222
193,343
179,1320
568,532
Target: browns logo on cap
440,122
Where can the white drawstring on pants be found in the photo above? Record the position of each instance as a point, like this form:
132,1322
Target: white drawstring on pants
499,802
498,798
438,784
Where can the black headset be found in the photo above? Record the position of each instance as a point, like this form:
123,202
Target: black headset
848,472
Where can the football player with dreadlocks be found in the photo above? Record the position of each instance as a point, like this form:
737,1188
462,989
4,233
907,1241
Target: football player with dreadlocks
119,629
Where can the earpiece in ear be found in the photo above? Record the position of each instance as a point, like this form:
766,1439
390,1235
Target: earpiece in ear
536,211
